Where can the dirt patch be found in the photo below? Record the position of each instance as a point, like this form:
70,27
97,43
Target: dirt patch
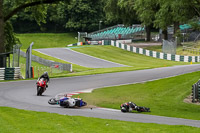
189,100
142,45
88,106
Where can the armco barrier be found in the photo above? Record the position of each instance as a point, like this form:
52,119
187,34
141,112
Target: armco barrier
49,63
156,54
10,73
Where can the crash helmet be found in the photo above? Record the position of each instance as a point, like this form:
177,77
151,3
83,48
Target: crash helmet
65,95
46,73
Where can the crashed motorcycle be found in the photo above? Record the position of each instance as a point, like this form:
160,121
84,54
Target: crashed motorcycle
67,102
129,107
41,86
143,109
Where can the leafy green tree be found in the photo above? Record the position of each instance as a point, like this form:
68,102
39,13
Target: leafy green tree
55,20
146,10
163,13
173,13
2,37
131,11
84,15
120,11
8,8
77,15
57,15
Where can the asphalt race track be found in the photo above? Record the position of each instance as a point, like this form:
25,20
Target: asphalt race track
22,94
78,58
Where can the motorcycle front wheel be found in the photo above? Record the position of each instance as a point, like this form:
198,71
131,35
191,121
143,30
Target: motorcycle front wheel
39,91
53,101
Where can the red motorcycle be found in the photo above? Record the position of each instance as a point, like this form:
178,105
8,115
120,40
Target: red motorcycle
41,86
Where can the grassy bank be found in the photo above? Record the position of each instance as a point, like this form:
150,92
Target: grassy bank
132,60
164,97
125,57
76,68
15,120
39,69
46,40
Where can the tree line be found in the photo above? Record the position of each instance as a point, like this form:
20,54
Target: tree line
84,15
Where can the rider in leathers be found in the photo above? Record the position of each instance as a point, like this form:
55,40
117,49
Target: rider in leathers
128,107
46,77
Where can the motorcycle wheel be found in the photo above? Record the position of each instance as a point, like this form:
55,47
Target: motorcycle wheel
66,104
52,101
39,91
124,109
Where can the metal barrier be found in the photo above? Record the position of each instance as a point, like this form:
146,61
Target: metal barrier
169,47
49,63
10,73
191,50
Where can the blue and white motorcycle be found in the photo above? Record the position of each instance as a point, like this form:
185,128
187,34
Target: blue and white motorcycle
67,102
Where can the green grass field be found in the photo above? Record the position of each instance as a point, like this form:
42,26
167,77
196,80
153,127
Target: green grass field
125,57
21,121
164,97
39,69
46,40
132,60
76,68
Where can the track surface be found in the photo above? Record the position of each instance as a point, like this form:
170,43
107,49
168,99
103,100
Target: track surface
22,94
78,58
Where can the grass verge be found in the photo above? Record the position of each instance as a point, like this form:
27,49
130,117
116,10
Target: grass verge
39,69
132,60
15,120
164,97
76,68
46,40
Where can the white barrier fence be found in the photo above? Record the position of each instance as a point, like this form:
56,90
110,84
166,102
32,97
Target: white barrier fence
156,54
